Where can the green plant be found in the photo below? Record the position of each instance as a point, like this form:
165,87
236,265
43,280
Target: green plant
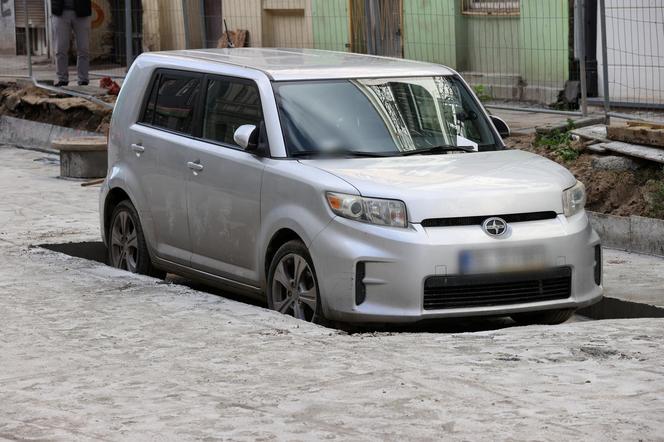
559,141
482,93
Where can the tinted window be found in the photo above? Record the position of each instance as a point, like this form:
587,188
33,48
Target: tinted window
174,99
230,104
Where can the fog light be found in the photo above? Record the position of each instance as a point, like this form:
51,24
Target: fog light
360,288
597,266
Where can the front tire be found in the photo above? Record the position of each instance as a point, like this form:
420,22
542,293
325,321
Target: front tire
127,248
292,286
549,317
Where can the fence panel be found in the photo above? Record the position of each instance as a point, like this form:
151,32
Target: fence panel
634,58
515,53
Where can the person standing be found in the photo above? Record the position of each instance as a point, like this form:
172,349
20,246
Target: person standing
68,16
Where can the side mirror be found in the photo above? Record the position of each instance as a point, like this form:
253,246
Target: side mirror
246,136
502,127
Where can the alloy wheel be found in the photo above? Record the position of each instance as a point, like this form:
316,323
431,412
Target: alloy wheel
124,242
294,290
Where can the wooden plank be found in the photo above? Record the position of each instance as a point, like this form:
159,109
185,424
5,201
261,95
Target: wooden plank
635,150
638,133
645,124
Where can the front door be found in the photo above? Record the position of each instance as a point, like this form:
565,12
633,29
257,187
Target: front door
224,186
158,159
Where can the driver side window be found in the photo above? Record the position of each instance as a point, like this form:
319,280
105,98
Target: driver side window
229,104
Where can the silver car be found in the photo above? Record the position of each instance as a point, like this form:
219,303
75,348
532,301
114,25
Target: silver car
340,187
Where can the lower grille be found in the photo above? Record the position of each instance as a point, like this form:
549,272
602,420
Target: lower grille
463,291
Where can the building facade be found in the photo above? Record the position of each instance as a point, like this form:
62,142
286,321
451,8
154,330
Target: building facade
515,49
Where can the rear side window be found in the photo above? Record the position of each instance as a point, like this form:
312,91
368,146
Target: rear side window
229,104
172,102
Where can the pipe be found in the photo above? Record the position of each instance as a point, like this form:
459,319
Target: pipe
129,49
72,93
534,109
28,43
581,4
605,61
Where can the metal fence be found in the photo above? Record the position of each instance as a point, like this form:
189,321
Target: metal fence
519,54
632,79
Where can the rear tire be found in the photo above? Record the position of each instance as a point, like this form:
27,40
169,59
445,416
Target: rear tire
127,248
549,317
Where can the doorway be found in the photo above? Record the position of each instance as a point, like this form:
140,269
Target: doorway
376,27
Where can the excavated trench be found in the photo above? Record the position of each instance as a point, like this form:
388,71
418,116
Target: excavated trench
607,309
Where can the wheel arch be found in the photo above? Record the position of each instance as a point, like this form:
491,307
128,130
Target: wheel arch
114,197
278,239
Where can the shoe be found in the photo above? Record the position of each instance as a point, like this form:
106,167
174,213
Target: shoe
61,83
83,83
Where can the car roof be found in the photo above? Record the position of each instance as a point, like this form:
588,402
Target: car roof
308,64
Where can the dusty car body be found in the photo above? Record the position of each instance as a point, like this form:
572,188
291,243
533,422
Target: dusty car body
340,186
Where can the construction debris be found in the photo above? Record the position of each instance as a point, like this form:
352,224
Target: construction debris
614,163
239,38
111,86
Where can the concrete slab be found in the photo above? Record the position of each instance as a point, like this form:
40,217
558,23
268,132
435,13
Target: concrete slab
595,133
615,231
93,353
35,135
634,233
634,277
655,154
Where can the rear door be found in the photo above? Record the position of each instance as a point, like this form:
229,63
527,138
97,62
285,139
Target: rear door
224,186
159,141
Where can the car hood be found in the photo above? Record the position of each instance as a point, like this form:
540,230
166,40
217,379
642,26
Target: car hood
455,185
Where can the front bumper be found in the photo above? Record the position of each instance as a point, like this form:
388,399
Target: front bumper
398,261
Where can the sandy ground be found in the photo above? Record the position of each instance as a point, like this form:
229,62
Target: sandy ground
91,353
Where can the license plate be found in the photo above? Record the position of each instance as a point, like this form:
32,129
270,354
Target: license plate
501,260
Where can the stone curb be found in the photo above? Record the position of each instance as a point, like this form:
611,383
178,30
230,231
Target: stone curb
35,135
633,234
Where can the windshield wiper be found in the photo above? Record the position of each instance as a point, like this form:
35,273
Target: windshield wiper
341,153
443,148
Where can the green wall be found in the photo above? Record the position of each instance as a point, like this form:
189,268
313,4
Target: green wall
533,45
429,31
330,22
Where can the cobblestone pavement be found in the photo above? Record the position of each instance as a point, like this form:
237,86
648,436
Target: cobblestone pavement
91,353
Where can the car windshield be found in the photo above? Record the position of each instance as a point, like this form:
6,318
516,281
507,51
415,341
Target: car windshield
381,117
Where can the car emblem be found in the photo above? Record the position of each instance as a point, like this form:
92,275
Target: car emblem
494,226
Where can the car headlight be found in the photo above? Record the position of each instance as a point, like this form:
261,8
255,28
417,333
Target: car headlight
369,210
574,199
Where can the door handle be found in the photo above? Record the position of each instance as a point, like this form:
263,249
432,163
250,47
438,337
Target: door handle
138,149
196,167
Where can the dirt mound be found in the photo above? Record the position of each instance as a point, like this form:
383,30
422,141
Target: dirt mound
35,104
623,193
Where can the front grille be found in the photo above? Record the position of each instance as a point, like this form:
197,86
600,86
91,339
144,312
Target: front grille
463,291
477,220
